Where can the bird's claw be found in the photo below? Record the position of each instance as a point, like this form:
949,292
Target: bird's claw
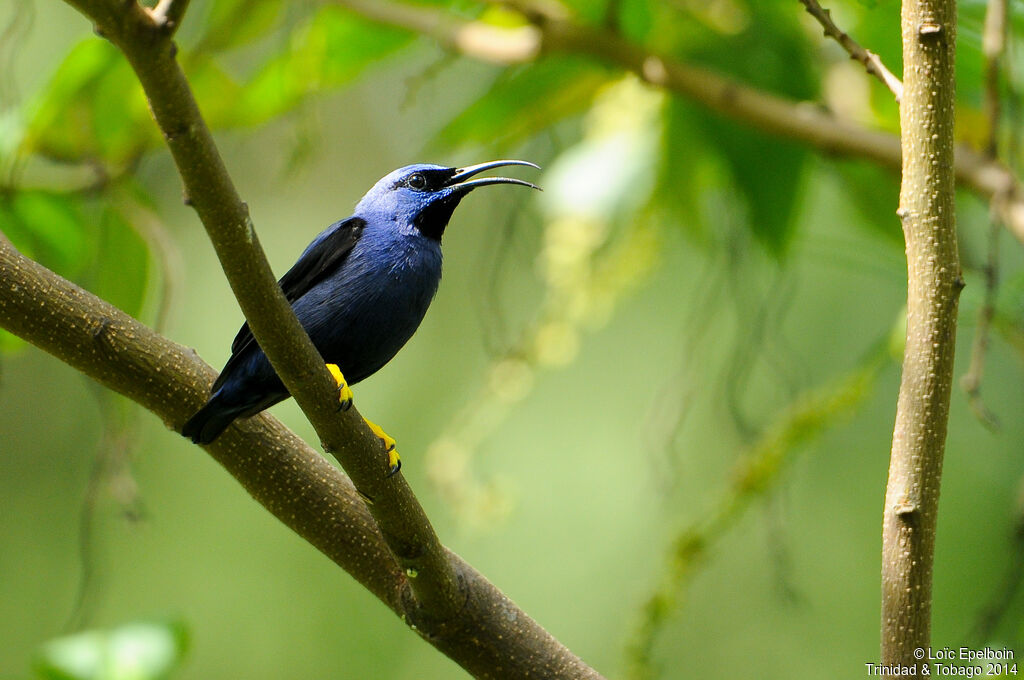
345,395
345,403
394,461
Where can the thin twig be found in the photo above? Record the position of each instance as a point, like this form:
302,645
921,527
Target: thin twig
993,46
871,61
111,476
971,380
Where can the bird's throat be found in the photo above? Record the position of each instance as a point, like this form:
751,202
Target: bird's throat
433,219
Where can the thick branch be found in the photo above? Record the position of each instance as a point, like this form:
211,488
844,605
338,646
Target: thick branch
802,121
434,595
927,114
490,636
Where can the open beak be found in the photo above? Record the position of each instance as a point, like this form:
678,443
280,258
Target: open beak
461,176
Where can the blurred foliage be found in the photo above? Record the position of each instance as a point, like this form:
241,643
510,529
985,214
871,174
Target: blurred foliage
598,245
524,102
135,651
634,179
755,474
327,51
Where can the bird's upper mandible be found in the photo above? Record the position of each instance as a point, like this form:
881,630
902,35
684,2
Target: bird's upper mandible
422,197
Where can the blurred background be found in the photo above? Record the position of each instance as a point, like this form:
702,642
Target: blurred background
653,404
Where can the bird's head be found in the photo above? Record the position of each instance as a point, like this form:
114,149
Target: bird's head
422,197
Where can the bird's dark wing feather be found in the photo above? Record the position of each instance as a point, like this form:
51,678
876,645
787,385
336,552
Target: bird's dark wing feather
319,260
321,257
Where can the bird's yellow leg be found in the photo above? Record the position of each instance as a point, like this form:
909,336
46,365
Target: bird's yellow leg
394,462
345,397
344,391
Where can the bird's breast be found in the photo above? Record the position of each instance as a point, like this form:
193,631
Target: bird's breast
368,310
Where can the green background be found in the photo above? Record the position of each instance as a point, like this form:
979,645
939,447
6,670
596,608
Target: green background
591,480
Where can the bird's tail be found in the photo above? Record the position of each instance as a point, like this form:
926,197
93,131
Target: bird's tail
212,419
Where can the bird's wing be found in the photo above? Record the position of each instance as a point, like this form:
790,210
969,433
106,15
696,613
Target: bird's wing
323,256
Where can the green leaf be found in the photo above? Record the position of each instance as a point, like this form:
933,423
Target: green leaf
120,117
345,45
277,88
46,226
681,178
59,102
217,93
529,100
636,19
135,651
587,11
702,151
122,273
768,173
970,63
770,53
231,23
335,48
93,108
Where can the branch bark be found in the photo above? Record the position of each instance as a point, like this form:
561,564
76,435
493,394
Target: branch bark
934,284
489,636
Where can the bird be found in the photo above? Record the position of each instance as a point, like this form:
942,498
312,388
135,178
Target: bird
360,290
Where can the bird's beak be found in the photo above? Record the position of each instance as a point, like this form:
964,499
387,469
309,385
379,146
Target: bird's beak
462,174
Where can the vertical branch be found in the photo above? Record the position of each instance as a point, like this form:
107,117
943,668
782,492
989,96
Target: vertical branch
933,288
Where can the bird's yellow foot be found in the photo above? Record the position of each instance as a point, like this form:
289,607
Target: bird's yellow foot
344,391
394,462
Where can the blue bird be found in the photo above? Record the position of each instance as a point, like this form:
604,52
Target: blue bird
360,290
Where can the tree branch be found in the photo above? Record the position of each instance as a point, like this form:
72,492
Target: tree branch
871,61
489,636
934,282
801,121
434,595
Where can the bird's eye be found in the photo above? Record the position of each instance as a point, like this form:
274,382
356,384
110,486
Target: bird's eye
417,181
